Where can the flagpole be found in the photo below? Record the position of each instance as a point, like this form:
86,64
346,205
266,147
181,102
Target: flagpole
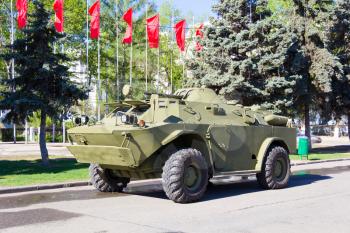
63,121
158,63
171,50
87,42
146,75
131,64
13,62
194,32
117,50
183,69
98,80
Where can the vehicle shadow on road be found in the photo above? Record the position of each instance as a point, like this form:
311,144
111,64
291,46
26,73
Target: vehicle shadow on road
221,189
224,189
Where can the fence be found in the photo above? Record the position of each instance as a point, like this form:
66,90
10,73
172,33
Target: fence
328,130
6,135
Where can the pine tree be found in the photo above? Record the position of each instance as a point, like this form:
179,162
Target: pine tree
249,57
287,55
309,21
42,83
338,37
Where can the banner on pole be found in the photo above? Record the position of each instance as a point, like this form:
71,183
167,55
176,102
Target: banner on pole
153,31
200,35
94,12
128,34
180,34
199,31
59,20
22,8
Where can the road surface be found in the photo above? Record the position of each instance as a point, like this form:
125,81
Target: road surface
318,200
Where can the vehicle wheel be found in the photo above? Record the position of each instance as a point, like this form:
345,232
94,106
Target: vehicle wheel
275,172
185,176
105,181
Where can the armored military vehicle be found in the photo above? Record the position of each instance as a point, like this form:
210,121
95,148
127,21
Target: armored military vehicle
186,139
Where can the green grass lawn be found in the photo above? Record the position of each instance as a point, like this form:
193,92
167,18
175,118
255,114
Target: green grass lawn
31,172
322,156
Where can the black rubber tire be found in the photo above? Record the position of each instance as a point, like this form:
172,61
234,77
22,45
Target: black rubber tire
174,172
267,178
103,180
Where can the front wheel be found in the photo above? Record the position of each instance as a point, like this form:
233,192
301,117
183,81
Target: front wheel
185,176
105,181
275,172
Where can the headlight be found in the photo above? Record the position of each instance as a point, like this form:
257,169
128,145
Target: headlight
77,121
129,119
124,119
84,120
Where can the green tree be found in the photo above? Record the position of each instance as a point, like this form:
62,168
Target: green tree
249,57
42,83
338,38
287,55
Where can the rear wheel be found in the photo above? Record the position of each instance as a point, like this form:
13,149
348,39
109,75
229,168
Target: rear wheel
275,172
185,176
105,181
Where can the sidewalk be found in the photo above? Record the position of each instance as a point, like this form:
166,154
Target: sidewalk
32,149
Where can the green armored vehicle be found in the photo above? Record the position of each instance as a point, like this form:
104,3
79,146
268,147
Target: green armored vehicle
185,139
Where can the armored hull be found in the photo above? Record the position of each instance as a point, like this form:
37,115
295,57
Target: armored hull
140,137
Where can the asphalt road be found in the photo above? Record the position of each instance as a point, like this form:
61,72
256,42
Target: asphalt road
318,200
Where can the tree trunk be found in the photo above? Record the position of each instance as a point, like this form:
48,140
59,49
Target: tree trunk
349,124
307,124
42,140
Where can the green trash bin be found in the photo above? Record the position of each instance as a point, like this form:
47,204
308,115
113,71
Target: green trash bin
303,147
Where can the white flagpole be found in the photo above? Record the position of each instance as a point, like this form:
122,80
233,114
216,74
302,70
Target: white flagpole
171,50
87,42
13,62
146,74
183,69
12,41
117,50
158,63
131,64
98,80
63,121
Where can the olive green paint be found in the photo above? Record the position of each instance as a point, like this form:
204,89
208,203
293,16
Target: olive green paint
233,138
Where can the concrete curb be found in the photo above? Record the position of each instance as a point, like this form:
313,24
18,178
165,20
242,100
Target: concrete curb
86,183
300,163
42,187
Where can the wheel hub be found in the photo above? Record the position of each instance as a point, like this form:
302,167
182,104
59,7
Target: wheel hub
279,169
191,177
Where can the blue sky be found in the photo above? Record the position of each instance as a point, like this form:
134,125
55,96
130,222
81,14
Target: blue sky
197,7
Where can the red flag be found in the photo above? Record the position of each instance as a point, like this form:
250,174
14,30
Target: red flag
22,7
94,11
153,31
59,20
200,34
180,34
128,34
199,31
199,47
